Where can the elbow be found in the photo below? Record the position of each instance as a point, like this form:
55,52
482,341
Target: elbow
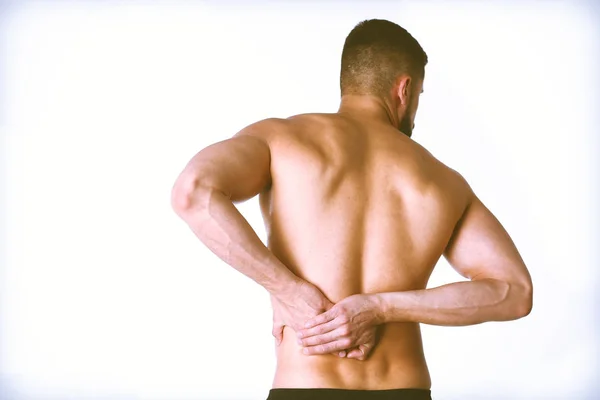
189,194
181,203
182,195
524,300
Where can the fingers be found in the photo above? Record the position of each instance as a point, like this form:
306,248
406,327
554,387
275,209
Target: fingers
321,329
326,337
339,354
321,318
331,347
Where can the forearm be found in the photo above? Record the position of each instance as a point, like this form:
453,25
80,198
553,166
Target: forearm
455,304
223,229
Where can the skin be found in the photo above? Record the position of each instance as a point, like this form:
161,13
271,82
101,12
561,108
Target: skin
357,216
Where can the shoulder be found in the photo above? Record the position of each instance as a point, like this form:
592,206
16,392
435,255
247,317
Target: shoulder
302,122
453,180
271,130
266,130
459,188
266,125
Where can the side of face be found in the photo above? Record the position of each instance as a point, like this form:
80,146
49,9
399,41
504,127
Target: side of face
409,91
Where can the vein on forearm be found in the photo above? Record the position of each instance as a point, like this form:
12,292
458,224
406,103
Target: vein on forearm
216,221
454,304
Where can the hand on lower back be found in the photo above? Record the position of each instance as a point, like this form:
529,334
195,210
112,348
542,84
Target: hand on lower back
294,309
350,324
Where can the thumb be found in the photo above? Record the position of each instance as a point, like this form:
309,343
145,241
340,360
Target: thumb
365,350
329,305
361,352
278,333
355,353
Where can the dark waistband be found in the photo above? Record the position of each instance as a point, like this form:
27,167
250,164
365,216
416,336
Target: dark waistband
348,394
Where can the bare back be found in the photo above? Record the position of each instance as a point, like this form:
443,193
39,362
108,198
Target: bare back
357,207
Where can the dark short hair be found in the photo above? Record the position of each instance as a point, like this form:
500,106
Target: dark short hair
375,52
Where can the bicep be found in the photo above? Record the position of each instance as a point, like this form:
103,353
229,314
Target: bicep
239,167
481,248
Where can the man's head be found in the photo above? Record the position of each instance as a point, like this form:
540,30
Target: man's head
380,58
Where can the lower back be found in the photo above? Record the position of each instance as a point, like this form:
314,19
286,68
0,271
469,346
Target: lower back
396,361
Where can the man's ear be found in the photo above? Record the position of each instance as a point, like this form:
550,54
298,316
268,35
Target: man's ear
404,89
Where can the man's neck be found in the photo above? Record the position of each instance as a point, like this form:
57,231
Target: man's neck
369,107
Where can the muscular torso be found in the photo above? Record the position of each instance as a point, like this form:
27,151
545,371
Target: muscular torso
357,207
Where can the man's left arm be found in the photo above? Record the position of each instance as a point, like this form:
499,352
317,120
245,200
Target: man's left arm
229,171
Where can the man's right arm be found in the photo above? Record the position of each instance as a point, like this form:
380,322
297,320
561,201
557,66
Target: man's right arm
480,249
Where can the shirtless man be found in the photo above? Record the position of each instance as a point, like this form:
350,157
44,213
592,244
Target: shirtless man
357,216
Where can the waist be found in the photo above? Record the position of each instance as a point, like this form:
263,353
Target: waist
349,394
397,361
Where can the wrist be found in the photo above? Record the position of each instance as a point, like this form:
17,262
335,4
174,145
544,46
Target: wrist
286,288
379,307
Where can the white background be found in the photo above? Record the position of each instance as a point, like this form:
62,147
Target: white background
106,294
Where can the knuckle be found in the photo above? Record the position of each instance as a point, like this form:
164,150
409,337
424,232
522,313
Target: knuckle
345,330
